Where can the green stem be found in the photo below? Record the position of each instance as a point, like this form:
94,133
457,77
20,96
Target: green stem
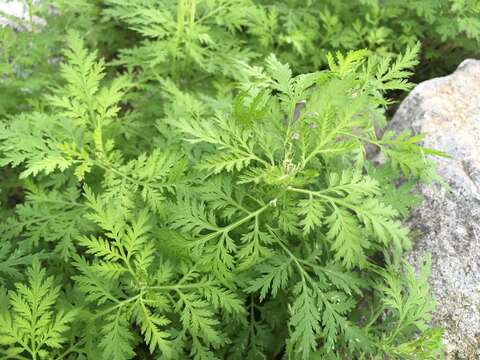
126,260
60,202
399,327
225,230
19,357
119,305
211,13
306,278
72,348
193,8
374,318
177,287
30,15
248,217
318,149
325,197
106,167
364,139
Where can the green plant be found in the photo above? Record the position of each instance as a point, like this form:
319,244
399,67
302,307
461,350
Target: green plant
184,38
246,226
448,29
198,43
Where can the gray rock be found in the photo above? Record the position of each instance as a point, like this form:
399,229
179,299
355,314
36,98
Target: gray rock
15,10
447,109
15,14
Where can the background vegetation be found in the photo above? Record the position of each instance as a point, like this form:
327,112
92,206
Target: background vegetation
188,179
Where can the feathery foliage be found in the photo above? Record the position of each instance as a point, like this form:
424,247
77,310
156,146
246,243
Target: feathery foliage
182,192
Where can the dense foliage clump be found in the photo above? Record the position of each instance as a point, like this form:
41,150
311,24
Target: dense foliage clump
198,187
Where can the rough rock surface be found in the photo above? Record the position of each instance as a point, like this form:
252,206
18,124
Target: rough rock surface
447,109
17,14
14,8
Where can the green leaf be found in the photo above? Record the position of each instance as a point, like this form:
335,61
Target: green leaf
312,212
275,274
150,326
117,338
32,320
304,321
348,241
198,319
